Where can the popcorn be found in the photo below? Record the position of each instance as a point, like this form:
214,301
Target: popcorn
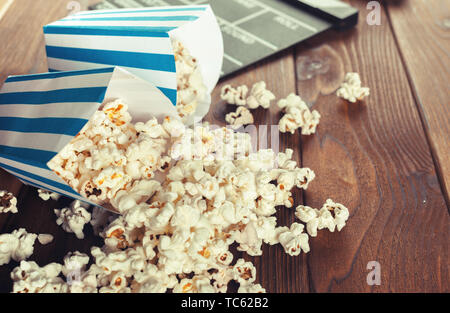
73,218
19,245
191,89
251,288
47,195
297,114
244,272
294,240
28,277
44,239
236,96
260,96
319,219
8,203
351,89
242,116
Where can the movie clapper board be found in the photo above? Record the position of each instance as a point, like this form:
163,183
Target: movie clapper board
255,29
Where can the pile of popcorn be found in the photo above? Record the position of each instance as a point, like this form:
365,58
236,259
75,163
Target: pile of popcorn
185,195
190,87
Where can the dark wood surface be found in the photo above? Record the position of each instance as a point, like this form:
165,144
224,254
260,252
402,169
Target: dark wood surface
387,158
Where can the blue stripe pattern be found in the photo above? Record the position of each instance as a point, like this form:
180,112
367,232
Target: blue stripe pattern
33,157
89,94
22,78
45,125
131,31
198,8
169,93
146,23
150,61
39,178
136,18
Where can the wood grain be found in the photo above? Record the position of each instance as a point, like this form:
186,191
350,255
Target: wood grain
374,157
426,54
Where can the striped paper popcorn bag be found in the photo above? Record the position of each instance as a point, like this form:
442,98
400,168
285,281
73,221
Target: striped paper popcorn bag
174,48
40,114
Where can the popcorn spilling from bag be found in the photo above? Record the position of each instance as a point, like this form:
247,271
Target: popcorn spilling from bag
351,88
8,203
190,87
185,195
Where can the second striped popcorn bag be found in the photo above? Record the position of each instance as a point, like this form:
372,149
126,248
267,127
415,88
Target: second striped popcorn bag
179,49
53,125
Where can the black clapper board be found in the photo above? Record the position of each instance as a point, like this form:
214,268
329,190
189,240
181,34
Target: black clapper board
255,29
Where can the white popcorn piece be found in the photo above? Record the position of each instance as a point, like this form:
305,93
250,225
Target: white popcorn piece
18,245
73,218
297,115
242,116
8,203
244,272
294,240
236,95
30,278
260,96
351,89
47,195
319,219
45,239
251,288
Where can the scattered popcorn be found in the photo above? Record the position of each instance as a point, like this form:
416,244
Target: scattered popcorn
73,218
45,239
191,89
47,195
351,89
242,116
319,219
19,245
8,203
294,240
297,115
260,96
236,96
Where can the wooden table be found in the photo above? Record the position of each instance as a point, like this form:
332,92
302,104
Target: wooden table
387,159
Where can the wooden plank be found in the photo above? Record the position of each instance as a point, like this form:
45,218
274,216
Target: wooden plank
374,158
276,271
424,43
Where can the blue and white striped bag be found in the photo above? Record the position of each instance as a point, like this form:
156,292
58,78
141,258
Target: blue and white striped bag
42,113
139,41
